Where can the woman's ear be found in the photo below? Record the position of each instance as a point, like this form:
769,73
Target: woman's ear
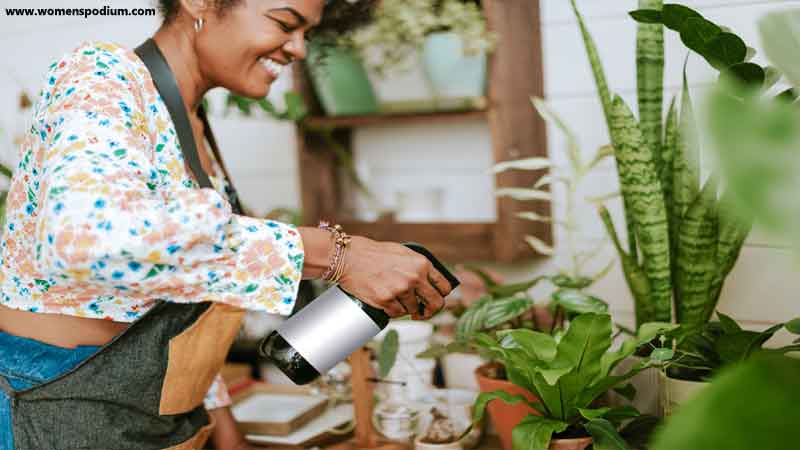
195,8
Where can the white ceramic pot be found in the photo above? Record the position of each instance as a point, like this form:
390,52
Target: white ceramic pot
647,384
414,337
457,404
675,392
459,370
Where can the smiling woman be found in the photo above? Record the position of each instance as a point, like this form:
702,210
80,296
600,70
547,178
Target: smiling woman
127,262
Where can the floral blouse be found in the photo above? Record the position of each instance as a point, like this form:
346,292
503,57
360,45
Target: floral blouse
103,217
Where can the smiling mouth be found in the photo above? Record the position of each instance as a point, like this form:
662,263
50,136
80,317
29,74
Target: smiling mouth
273,67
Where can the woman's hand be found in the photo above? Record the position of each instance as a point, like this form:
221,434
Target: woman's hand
394,278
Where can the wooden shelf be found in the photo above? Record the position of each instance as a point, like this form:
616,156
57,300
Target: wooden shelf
392,119
517,131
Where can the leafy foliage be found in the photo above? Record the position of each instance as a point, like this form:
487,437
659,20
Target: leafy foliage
706,349
567,375
750,405
387,354
682,240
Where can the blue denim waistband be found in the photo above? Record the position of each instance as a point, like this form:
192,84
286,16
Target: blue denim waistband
33,361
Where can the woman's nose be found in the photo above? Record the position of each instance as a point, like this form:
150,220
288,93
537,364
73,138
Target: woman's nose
296,46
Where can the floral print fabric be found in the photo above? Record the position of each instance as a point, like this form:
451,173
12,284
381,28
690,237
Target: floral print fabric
103,218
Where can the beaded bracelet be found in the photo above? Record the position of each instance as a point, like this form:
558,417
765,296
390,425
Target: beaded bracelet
341,241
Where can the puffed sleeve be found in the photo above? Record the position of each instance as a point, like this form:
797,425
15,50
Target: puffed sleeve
110,220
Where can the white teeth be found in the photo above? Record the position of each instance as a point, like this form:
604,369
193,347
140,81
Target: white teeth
272,67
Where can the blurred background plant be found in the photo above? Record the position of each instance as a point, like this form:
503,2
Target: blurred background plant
400,27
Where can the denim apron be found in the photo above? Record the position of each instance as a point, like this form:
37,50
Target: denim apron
144,390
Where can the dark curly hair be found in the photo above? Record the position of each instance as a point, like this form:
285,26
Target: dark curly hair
338,18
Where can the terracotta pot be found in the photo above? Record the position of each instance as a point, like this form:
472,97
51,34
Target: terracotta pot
504,416
675,392
570,444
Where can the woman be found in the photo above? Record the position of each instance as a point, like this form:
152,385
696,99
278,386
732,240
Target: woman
122,283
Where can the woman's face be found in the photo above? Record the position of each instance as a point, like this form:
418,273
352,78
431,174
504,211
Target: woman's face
246,48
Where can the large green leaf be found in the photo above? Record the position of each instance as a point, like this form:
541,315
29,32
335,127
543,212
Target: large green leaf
650,79
539,346
484,398
641,186
576,301
605,435
751,406
535,432
387,355
490,312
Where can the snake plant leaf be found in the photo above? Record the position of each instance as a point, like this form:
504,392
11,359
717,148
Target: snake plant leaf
635,276
686,163
579,302
650,79
536,163
668,151
733,231
780,35
696,263
523,194
605,99
387,355
605,436
640,184
535,432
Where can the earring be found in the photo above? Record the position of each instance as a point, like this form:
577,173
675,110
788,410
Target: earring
198,24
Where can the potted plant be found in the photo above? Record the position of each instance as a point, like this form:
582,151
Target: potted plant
568,375
448,39
682,237
706,349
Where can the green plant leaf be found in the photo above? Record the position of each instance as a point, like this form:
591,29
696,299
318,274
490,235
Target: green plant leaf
537,345
627,391
387,355
697,33
579,302
717,419
793,326
646,333
605,436
675,16
748,73
508,290
724,50
485,277
523,194
536,163
728,324
570,282
535,432
485,397
646,15
662,354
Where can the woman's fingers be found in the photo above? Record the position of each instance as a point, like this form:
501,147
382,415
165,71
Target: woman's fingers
439,282
430,298
409,303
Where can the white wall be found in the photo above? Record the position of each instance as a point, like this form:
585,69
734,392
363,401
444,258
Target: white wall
261,154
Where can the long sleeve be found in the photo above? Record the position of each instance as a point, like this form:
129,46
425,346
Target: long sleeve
116,213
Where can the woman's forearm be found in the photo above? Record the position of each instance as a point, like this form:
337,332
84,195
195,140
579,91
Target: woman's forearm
318,247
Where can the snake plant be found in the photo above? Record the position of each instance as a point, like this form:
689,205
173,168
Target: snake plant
681,242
